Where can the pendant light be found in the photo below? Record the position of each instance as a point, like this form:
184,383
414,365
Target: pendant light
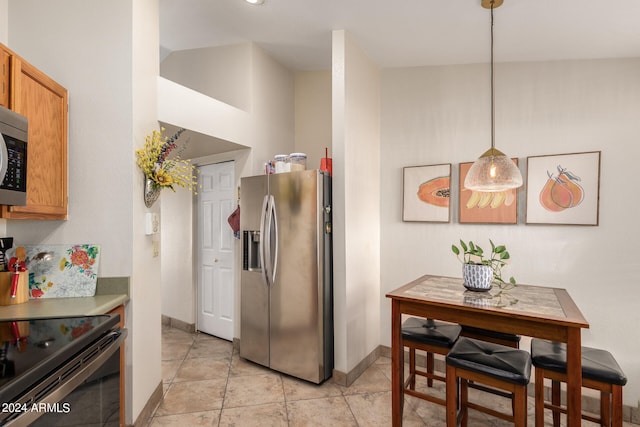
493,171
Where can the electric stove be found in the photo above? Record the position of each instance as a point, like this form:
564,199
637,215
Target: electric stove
45,362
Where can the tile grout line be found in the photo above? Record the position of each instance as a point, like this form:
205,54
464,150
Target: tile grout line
284,400
226,385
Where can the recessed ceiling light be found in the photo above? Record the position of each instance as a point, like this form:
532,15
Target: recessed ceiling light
255,1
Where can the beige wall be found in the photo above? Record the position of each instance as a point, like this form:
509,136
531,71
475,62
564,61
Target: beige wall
254,108
437,115
177,245
272,107
4,22
356,202
222,72
313,115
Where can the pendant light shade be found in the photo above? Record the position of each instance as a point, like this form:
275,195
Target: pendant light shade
493,171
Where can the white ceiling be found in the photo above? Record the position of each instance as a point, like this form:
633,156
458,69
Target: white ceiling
400,33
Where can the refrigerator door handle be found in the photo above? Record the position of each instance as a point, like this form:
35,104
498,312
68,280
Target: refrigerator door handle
263,239
269,264
274,262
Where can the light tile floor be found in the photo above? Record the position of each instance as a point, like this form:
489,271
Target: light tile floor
206,383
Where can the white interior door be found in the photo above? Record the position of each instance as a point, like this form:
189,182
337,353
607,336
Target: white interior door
216,201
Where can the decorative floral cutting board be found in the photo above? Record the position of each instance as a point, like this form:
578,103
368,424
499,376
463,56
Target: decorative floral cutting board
60,271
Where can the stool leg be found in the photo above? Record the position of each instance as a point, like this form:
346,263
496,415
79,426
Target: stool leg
464,399
430,365
539,397
605,409
412,368
452,396
520,407
555,399
616,404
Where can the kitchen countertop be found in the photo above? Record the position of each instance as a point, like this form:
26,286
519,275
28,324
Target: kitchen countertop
110,293
62,307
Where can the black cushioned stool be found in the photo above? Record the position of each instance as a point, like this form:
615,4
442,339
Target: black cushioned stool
494,365
432,337
600,371
503,338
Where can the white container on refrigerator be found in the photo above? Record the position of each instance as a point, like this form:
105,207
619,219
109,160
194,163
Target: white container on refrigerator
286,319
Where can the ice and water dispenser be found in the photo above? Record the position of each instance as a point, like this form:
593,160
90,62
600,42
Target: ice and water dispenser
251,250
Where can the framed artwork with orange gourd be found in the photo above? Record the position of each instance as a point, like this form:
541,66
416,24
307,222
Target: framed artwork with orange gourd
563,189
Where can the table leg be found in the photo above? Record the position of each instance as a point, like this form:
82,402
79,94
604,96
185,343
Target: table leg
397,365
574,378
451,393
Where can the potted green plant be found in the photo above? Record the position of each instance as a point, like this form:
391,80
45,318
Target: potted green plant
479,271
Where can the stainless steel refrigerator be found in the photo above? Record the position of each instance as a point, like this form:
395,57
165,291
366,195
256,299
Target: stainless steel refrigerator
286,319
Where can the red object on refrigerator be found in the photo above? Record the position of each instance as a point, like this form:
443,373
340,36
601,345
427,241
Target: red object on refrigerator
326,163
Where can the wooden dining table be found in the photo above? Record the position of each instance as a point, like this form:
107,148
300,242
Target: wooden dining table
534,311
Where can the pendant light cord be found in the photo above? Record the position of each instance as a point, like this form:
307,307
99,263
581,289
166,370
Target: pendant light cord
493,114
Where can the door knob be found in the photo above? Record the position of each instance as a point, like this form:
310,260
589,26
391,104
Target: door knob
215,260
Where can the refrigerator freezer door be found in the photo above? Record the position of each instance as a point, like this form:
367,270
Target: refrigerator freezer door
296,300
254,298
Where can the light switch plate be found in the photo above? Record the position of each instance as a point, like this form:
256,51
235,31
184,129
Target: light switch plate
151,223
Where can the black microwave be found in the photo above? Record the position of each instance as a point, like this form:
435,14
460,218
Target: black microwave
13,158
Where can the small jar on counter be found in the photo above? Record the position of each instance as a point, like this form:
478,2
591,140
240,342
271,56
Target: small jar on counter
298,161
282,163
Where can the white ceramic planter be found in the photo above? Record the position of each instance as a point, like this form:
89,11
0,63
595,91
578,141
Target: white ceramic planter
477,277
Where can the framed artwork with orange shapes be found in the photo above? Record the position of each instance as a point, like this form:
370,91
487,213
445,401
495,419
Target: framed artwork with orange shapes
486,208
563,189
426,191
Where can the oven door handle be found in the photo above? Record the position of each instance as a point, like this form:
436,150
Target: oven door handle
54,391
4,159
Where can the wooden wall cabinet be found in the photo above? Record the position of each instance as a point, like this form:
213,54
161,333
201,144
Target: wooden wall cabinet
5,67
45,104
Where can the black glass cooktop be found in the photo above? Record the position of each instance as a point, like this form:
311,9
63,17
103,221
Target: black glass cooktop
30,349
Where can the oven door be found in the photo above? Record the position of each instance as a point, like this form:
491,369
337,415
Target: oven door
83,391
